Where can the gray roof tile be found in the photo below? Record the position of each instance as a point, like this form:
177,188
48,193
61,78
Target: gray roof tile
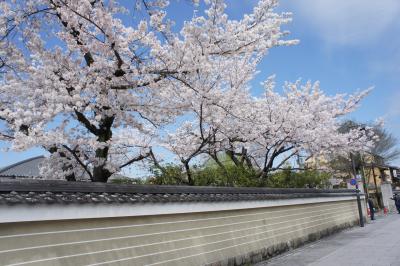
61,192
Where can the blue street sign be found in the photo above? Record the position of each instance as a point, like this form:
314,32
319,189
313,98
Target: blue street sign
353,182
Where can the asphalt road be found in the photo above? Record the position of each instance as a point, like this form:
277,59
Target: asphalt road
377,244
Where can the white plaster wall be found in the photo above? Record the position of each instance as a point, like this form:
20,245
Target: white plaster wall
26,213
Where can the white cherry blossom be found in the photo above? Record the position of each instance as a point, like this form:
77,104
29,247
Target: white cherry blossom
98,93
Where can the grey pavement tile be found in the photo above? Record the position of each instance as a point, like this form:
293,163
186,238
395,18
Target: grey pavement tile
377,244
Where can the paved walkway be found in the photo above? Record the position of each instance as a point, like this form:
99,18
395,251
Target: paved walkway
377,244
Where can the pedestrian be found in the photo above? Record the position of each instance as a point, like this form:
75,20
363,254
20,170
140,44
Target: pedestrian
371,208
396,198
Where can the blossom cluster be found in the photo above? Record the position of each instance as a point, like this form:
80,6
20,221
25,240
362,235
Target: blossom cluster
99,93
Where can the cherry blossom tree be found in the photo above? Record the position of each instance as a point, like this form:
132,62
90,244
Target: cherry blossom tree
302,121
264,133
96,92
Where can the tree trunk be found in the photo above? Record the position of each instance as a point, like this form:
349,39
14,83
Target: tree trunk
232,156
189,174
100,174
104,134
264,175
70,177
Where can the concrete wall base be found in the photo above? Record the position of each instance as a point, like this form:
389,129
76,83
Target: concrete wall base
277,249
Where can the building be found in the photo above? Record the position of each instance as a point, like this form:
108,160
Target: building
374,177
28,168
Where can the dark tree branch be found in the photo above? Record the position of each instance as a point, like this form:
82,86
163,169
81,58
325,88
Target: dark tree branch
138,158
73,153
82,118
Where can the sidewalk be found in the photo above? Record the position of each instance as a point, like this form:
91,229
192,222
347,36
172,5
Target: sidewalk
377,244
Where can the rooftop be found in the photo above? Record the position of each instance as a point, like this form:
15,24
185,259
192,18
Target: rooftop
26,168
63,192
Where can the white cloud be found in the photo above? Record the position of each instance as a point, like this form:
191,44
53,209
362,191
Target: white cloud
346,21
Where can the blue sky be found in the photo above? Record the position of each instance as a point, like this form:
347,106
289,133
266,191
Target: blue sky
346,45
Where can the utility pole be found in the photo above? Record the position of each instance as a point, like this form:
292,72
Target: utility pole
365,183
357,191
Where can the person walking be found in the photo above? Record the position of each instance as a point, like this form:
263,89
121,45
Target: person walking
371,208
396,198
